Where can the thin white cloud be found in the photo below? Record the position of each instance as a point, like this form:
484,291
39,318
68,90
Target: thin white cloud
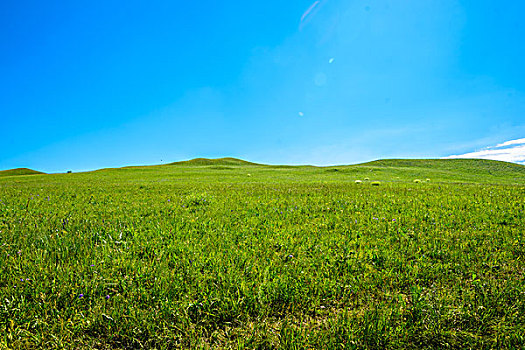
509,151
310,9
511,142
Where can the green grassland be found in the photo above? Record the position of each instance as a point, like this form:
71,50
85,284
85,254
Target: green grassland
230,254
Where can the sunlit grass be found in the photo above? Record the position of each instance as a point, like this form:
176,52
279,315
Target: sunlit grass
190,256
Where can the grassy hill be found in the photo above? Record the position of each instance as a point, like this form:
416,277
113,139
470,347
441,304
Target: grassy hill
239,171
19,171
385,170
228,161
465,165
460,170
228,254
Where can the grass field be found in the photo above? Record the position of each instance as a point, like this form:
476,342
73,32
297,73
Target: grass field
229,254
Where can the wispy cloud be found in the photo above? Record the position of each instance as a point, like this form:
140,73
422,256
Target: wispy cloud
509,151
512,142
310,9
310,13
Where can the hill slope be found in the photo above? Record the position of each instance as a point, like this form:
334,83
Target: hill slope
218,161
483,165
19,171
470,170
205,170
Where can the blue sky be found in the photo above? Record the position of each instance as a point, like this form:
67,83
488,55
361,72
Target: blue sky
92,84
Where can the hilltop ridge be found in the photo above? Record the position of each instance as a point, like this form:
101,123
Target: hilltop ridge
212,161
389,170
19,171
445,163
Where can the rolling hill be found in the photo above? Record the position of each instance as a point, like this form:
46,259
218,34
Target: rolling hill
162,256
228,161
469,170
19,171
385,170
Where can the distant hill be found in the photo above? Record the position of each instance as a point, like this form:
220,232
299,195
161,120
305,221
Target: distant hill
477,165
19,171
387,170
218,161
489,170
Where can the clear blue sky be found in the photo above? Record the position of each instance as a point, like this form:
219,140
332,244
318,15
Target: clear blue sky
92,84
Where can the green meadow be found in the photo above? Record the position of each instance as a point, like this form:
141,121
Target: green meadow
227,254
